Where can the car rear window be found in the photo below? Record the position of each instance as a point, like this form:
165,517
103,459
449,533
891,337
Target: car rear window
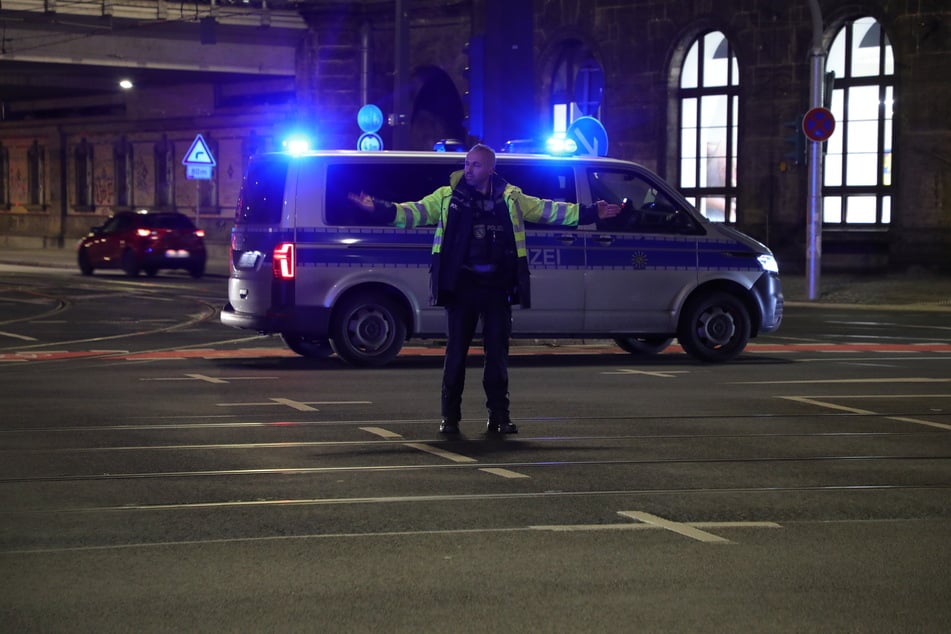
167,221
262,194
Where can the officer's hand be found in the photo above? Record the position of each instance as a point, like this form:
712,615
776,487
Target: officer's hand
607,210
363,200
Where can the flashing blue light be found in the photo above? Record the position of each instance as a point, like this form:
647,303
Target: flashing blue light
297,144
559,145
449,145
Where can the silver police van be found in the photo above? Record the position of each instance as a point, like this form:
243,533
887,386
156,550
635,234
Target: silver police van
308,264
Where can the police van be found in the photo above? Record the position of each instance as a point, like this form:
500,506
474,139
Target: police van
310,265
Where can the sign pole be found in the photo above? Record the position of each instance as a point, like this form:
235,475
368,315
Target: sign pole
814,211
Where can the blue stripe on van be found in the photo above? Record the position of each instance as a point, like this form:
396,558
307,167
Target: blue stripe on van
370,246
388,247
641,252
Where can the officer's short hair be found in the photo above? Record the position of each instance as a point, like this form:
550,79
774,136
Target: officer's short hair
482,147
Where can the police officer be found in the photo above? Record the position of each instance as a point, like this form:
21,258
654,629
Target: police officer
480,269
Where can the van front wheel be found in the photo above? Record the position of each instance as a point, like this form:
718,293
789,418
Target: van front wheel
714,327
643,346
367,330
310,347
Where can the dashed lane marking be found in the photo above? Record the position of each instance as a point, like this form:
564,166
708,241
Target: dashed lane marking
442,453
889,380
210,379
814,400
301,406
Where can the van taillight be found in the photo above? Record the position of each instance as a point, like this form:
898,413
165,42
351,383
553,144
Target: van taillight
284,261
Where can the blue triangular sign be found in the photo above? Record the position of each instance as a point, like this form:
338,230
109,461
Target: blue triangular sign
199,154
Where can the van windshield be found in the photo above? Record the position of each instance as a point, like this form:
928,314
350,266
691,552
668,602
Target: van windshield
262,193
645,208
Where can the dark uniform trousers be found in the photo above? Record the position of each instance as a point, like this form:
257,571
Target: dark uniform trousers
470,303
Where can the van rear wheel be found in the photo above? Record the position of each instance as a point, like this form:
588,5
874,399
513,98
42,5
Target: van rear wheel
714,327
644,346
310,347
367,330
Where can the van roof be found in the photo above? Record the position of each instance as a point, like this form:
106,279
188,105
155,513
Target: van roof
455,157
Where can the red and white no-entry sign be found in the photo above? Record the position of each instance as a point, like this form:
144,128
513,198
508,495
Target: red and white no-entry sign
818,124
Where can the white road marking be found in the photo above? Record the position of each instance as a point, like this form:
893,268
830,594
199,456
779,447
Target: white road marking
505,473
865,412
298,405
382,433
209,379
666,374
15,336
677,527
442,453
910,379
570,528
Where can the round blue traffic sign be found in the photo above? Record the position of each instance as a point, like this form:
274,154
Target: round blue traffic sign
818,124
370,118
590,135
369,142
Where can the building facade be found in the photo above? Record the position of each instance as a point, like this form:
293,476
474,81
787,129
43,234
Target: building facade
709,93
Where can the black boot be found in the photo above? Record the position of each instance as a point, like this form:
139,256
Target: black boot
500,423
449,426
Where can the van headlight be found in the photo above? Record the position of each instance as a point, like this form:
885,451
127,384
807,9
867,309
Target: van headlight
768,262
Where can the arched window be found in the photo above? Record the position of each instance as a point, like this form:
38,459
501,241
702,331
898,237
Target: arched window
709,109
857,181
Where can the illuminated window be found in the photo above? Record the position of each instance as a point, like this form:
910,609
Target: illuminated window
709,105
122,158
577,87
84,176
857,187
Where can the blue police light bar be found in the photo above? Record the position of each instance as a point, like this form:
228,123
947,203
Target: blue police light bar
561,146
449,145
297,144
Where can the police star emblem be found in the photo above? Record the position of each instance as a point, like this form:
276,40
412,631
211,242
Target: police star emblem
639,260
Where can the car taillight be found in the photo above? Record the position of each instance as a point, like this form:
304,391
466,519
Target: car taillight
200,233
284,261
143,233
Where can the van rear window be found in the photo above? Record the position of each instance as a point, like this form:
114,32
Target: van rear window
394,182
262,194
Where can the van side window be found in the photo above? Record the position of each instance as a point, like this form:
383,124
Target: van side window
644,207
555,182
394,182
262,193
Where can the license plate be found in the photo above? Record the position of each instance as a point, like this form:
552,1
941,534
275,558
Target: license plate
176,254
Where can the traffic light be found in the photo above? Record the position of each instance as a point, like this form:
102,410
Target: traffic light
794,141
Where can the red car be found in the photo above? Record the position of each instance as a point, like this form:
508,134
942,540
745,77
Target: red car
144,241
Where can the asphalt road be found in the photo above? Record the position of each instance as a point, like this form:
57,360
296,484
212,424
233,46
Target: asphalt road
159,472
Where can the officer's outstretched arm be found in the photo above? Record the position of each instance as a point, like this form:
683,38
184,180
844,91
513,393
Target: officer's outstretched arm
406,215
